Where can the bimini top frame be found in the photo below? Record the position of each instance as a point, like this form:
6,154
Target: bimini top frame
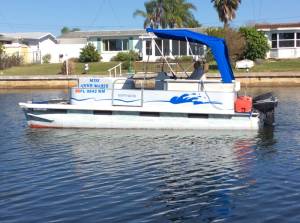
217,46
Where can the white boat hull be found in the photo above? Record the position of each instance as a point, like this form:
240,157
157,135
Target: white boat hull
88,119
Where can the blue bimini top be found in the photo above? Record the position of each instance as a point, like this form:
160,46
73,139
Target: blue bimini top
217,46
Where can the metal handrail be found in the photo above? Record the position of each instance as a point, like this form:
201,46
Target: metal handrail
115,68
113,91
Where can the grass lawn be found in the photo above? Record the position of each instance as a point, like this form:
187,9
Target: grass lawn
53,69
102,67
267,66
277,66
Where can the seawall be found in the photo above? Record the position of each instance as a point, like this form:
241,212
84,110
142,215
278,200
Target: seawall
267,79
38,81
258,79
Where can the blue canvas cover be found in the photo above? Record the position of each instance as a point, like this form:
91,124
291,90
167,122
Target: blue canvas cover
217,45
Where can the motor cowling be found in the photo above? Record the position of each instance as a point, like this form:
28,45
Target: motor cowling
243,104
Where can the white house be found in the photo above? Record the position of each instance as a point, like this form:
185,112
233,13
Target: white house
38,43
152,48
110,43
69,48
284,39
107,43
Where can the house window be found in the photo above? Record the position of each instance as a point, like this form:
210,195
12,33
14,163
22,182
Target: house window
286,40
148,47
195,49
158,47
183,50
179,48
175,47
298,40
125,44
115,44
274,41
166,47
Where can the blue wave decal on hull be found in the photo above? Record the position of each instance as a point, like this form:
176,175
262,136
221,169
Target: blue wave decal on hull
191,98
184,98
187,98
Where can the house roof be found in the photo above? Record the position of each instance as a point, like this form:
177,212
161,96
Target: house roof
29,35
104,33
110,33
277,25
5,38
72,40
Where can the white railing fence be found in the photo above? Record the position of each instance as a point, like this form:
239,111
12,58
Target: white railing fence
116,70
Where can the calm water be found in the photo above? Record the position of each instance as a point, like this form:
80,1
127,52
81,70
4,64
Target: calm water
61,175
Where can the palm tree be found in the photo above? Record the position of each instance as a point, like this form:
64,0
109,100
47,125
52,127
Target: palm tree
177,13
168,13
226,9
150,15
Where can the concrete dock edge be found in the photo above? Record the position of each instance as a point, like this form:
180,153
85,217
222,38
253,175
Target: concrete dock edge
258,79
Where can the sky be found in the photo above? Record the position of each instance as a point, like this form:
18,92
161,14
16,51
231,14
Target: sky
52,15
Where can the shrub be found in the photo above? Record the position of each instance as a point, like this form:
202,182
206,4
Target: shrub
46,58
184,59
126,56
10,61
169,59
89,54
256,43
2,50
74,59
126,65
234,39
71,67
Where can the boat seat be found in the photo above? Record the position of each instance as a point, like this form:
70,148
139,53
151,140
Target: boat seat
198,71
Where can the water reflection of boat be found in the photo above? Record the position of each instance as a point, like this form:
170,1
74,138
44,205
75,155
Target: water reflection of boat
169,102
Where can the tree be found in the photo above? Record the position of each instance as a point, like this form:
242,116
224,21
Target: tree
256,43
177,13
46,58
226,10
2,50
168,13
234,39
150,15
192,23
89,54
66,29
2,54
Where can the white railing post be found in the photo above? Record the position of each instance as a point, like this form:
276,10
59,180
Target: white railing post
115,69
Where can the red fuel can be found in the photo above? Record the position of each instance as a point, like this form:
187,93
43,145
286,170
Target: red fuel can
243,104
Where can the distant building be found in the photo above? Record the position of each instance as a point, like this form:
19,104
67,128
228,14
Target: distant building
110,43
32,46
284,39
5,39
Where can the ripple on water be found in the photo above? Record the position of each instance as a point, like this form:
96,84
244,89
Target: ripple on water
76,175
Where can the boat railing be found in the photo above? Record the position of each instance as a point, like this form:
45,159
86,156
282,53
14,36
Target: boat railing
122,81
123,90
158,66
116,70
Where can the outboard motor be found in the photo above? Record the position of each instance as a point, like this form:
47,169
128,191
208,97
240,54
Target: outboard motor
266,104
